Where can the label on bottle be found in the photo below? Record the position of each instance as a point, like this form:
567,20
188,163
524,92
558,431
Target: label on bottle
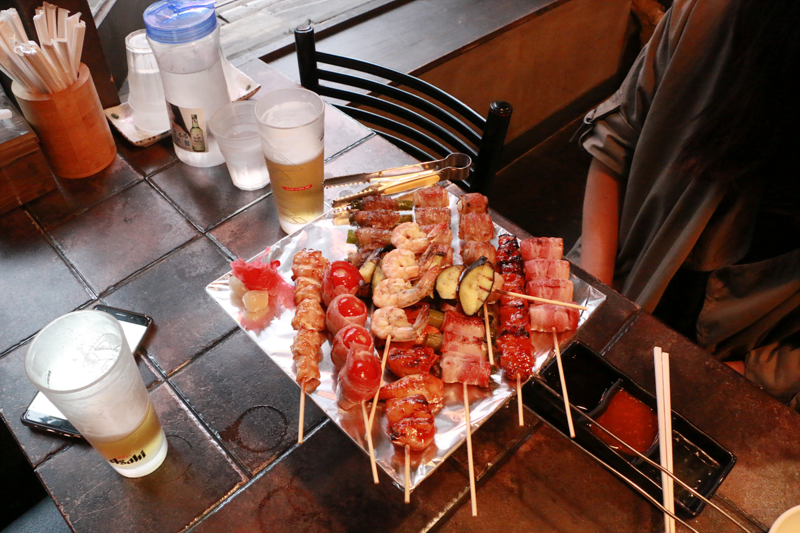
189,128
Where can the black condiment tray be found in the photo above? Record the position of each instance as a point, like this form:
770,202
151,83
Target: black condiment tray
591,382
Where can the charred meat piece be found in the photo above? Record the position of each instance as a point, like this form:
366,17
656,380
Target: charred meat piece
427,385
416,359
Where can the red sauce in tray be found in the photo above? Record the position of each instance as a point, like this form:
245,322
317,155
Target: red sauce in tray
630,420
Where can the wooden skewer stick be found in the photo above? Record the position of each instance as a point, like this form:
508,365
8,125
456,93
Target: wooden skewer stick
408,475
541,300
564,393
469,453
377,392
369,443
302,412
488,333
519,402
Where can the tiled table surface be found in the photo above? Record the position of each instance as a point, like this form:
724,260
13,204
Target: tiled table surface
149,233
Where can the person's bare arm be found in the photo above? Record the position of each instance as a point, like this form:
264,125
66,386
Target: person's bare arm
600,222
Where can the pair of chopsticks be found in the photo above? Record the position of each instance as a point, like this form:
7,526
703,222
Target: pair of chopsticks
633,485
664,405
53,64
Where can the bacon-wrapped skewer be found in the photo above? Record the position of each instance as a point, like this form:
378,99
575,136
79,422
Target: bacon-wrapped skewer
551,289
546,268
472,203
358,379
350,337
476,227
345,310
433,196
471,251
368,239
432,215
542,248
464,350
379,218
384,203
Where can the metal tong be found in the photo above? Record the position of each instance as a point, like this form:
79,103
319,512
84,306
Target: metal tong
454,167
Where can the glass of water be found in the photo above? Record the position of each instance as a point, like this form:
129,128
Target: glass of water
236,130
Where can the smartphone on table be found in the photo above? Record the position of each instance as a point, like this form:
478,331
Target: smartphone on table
42,414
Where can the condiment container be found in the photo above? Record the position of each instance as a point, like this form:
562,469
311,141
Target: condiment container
71,126
184,37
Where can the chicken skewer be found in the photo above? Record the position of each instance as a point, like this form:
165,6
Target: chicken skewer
308,268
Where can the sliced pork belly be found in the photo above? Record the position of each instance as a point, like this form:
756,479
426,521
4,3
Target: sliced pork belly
542,248
544,317
473,202
466,326
380,218
471,251
546,268
475,227
471,348
461,370
560,290
433,196
432,215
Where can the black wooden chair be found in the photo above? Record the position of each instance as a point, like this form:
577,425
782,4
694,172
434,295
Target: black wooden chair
427,124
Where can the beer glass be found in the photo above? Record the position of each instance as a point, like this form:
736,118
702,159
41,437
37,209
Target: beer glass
82,363
291,122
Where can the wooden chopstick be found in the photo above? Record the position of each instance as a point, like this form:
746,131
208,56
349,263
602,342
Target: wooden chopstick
540,300
664,405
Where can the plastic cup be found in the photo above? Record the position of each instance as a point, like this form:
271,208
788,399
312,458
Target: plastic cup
788,522
292,126
146,99
236,129
83,365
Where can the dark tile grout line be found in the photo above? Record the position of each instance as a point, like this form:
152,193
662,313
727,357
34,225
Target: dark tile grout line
257,476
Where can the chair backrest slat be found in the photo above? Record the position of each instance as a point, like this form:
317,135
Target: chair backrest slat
456,143
403,96
426,129
403,129
404,79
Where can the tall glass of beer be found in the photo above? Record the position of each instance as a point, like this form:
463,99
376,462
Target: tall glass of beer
291,122
82,363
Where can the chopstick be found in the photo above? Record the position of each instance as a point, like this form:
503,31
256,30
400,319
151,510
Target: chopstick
540,300
564,392
664,404
648,461
54,64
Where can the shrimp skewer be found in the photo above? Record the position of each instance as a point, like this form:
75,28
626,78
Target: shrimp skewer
393,321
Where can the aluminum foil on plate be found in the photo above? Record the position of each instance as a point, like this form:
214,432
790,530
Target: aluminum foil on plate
277,338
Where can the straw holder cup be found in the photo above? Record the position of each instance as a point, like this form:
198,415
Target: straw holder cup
71,126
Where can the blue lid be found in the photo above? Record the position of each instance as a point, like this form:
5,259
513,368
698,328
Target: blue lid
180,21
